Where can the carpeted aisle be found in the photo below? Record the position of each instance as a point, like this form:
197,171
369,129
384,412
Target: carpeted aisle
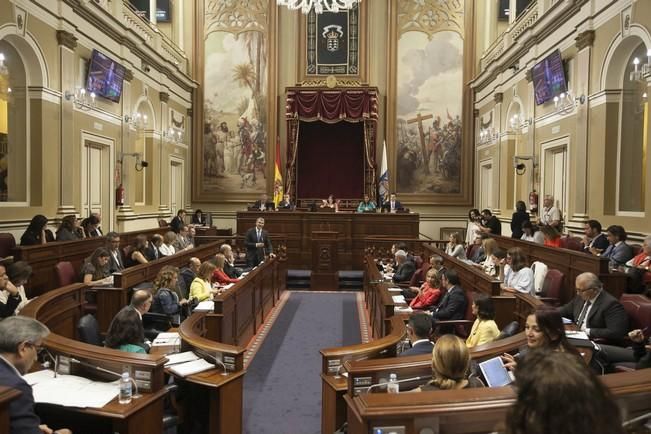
282,386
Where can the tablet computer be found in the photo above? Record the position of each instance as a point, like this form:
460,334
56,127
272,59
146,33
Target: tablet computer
495,373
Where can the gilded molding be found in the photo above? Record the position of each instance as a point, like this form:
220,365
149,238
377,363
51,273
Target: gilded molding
66,39
128,75
585,39
235,17
164,96
329,83
431,16
499,97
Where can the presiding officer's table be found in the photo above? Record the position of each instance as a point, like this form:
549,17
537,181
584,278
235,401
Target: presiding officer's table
352,228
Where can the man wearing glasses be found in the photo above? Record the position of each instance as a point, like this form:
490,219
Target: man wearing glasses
20,341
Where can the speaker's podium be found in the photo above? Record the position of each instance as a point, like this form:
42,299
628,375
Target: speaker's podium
324,260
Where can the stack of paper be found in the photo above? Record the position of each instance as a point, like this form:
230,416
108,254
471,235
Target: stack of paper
205,306
174,359
193,367
403,309
228,286
398,299
576,335
395,289
71,390
166,339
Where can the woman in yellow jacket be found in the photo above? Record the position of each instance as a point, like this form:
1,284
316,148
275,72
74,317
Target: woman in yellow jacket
201,287
484,329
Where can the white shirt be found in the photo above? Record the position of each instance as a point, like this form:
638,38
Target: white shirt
587,313
521,281
549,215
537,237
167,249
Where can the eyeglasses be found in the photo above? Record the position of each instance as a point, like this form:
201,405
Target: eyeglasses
580,291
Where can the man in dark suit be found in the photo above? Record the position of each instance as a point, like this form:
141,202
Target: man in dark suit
20,340
286,203
258,244
187,275
593,240
392,205
264,204
419,328
405,268
152,251
595,311
618,251
454,303
177,222
116,260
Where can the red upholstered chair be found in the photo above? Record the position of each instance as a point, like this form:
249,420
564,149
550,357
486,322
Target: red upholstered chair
552,286
418,261
571,243
638,309
636,248
65,273
7,243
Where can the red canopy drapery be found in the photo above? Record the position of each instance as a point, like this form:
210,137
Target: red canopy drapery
332,106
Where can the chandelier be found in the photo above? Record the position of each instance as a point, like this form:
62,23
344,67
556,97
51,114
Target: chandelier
319,5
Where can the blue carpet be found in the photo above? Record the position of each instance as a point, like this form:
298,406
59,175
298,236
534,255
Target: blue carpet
282,386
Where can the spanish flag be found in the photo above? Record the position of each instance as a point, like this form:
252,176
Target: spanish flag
278,178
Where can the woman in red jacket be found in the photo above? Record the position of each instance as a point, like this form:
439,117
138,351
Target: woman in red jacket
429,293
219,275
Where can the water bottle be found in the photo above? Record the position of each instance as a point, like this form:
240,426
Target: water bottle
393,386
125,389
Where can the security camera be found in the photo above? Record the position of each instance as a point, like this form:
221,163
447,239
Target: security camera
520,166
143,163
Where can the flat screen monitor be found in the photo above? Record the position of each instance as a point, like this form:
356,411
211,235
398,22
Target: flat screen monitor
105,77
163,14
549,78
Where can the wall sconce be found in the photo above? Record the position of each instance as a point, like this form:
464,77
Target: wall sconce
81,99
140,163
641,71
487,135
565,102
172,136
137,121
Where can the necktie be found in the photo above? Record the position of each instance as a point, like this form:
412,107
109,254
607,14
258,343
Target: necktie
259,236
583,313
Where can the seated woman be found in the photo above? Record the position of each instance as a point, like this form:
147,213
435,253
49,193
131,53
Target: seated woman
19,273
219,275
429,293
329,203
136,252
126,332
531,233
70,229
551,235
166,300
90,226
198,218
201,287
36,232
367,205
450,366
489,266
95,271
167,248
455,246
545,331
639,266
518,277
484,329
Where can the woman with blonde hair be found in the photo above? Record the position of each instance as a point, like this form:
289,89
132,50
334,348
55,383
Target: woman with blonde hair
166,300
219,275
167,248
429,293
450,366
201,287
490,246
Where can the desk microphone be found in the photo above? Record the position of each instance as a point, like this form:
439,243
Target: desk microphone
373,386
136,395
55,359
218,361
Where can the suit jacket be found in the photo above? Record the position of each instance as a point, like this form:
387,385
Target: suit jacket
599,242
452,306
113,265
7,309
186,276
284,205
607,318
255,255
387,205
420,348
176,224
152,253
619,254
22,418
404,271
231,270
267,205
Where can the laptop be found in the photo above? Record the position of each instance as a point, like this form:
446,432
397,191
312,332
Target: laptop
495,373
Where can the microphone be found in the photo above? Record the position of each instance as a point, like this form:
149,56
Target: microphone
136,395
373,386
55,359
216,360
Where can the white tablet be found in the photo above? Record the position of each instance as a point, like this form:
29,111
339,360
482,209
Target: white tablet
495,373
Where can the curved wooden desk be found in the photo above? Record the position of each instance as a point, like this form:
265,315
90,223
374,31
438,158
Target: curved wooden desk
6,396
60,310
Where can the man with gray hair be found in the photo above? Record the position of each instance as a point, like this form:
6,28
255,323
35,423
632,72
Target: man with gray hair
550,216
404,267
229,264
20,340
595,311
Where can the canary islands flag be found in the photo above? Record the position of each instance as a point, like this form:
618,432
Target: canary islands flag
278,178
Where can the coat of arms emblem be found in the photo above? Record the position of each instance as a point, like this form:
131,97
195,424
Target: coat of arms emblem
333,35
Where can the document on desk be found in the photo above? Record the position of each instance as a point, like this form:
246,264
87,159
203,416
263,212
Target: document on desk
166,339
398,299
193,367
71,390
403,309
174,359
576,335
228,286
395,289
205,306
